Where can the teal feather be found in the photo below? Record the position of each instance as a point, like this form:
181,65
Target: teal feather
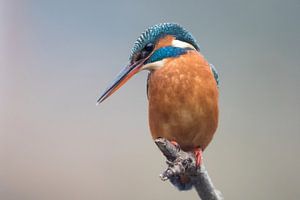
166,52
153,33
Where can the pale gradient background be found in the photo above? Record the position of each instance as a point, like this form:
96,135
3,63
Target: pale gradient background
57,56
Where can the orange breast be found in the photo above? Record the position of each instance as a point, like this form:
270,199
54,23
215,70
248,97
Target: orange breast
183,101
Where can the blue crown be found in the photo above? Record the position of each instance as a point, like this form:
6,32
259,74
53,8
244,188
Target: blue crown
153,33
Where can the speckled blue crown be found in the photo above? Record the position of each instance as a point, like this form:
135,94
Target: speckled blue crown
153,33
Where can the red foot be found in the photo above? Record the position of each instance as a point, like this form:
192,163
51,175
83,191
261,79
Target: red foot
199,157
175,143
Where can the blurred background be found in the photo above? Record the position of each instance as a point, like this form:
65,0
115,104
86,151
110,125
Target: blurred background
57,56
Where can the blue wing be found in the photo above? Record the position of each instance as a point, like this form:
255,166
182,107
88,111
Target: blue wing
215,72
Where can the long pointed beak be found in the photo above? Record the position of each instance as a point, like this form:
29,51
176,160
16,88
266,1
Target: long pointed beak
123,76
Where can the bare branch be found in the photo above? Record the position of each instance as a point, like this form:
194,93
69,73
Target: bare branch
181,163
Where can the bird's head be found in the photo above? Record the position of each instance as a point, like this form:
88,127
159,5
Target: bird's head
157,43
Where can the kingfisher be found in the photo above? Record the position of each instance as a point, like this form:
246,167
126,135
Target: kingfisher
182,86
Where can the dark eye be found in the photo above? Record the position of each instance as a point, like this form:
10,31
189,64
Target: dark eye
147,50
149,47
143,53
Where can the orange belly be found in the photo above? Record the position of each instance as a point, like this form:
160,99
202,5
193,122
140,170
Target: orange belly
183,101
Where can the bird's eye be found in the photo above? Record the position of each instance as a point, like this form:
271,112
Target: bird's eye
149,47
147,50
143,53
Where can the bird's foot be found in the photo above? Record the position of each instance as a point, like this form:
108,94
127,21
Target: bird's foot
175,144
199,157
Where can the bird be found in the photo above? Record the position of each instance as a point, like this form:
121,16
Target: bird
182,87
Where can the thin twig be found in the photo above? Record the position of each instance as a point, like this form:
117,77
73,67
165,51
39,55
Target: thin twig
181,163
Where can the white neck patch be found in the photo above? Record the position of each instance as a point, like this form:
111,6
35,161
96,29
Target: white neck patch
181,44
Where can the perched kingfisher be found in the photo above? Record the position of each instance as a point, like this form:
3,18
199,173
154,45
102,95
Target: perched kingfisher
182,86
